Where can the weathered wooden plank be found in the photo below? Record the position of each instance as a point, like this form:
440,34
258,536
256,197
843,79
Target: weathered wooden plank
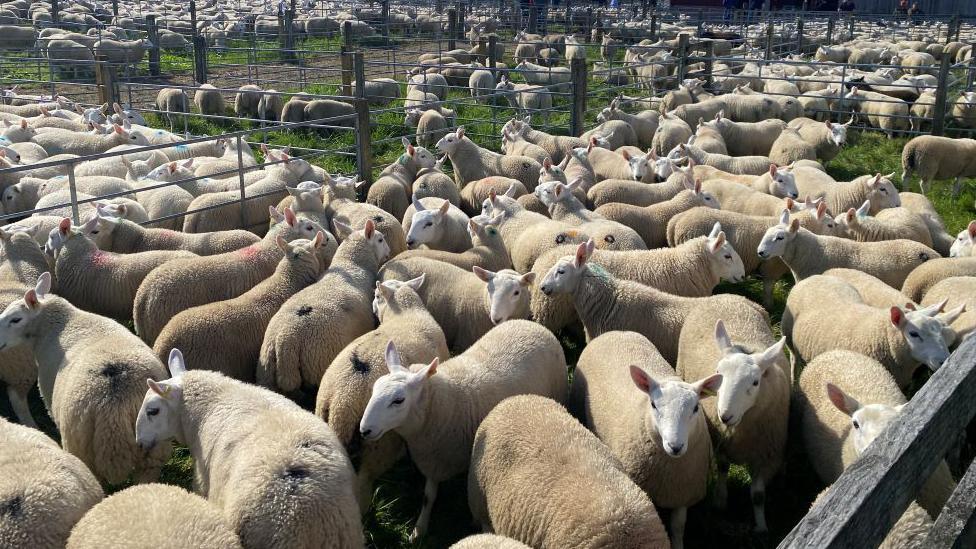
956,526
873,492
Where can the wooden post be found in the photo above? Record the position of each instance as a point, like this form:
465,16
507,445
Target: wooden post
385,14
364,153
850,27
588,28
941,96
55,12
830,30
452,28
115,8
200,59
799,35
347,35
492,59
347,72
105,80
709,62
644,4
359,72
288,37
654,26
769,40
954,24
971,71
682,57
956,526
875,490
461,14
533,18
193,17
152,31
579,78
439,6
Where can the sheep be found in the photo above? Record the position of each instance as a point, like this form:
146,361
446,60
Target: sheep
529,98
391,189
81,269
889,224
749,425
650,221
671,132
473,194
431,127
340,205
963,245
270,106
429,83
293,111
471,162
516,145
251,450
565,207
955,291
336,308
840,389
840,196
487,249
747,165
18,133
538,75
644,128
244,318
897,337
750,108
213,278
47,490
557,146
964,110
922,278
125,237
150,514
639,194
890,114
433,182
209,101
691,113
540,476
482,85
826,137
744,199
933,158
790,147
612,134
328,112
609,164
438,224
56,141
489,541
348,381
517,357
592,287
807,254
98,367
246,101
666,449
709,139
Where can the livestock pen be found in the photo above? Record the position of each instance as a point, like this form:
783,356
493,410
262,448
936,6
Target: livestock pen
749,47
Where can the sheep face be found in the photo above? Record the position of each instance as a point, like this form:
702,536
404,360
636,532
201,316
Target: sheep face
867,421
882,192
638,165
508,293
783,182
384,293
159,416
962,247
15,321
723,259
924,333
742,375
564,276
449,143
394,396
426,225
777,238
674,406
171,171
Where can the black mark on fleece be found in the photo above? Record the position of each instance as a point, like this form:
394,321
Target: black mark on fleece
13,507
358,364
304,310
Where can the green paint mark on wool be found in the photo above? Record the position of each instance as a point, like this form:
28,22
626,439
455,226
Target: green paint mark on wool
598,271
404,159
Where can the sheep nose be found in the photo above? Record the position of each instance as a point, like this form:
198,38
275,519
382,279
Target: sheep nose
794,195
546,290
365,432
727,418
762,253
410,242
496,321
675,449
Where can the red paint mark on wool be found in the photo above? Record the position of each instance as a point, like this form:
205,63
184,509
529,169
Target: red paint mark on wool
100,259
248,253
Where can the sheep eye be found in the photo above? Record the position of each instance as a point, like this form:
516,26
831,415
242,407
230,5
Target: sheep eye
94,232
16,320
397,402
516,292
779,238
913,333
695,411
561,271
727,256
856,424
428,224
152,412
755,383
653,405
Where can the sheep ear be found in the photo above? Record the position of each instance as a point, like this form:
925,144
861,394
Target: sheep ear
43,285
582,254
790,204
722,339
625,154
643,381
547,163
393,358
864,209
341,228
769,356
527,279
369,229
971,229
716,228
460,132
417,283
484,274
897,316
708,386
841,400
65,225
290,217
772,170
417,204
716,244
851,215
428,370
276,216
177,366
821,210
282,245
23,124
794,225
445,207
511,191
158,388
118,129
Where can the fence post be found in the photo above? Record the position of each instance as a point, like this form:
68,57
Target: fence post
709,62
347,35
451,28
288,48
73,192
385,11
193,17
850,27
579,79
364,153
588,29
971,71
347,72
533,18
461,14
682,56
492,60
105,80
200,59
799,35
830,31
153,32
439,6
115,8
644,9
941,96
954,25
769,40
654,26
55,12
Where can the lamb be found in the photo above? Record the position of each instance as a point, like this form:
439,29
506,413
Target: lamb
922,278
517,357
348,381
691,269
650,221
246,101
827,138
209,101
474,194
252,448
888,113
18,133
963,245
639,194
605,303
44,517
429,83
557,146
243,319
644,128
666,449
671,132
528,465
341,205
955,291
516,145
56,141
964,110
941,240
748,165
750,108
487,249
691,113
897,337
840,389
482,85
808,254
840,196
431,127
391,189
293,111
122,236
748,424
748,138
933,158
790,147
81,269
438,224
743,199
214,278
565,207
709,139
98,367
889,224
270,105
433,182
336,309
529,98
329,112
609,164
472,162
150,514
489,541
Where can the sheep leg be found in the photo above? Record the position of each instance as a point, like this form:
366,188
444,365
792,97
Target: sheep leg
758,492
905,175
957,187
720,497
430,494
18,401
768,284
923,186
678,518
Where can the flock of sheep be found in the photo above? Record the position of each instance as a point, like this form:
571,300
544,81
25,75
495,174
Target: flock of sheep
423,319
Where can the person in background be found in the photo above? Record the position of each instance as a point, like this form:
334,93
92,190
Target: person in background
902,7
846,5
916,10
